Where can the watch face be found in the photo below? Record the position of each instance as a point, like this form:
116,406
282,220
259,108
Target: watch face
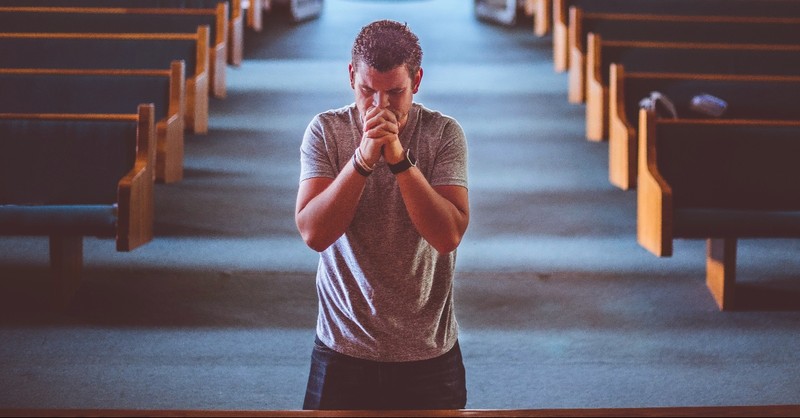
411,158
404,164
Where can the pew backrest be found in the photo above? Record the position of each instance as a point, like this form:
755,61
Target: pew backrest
122,20
120,51
54,91
743,8
78,174
712,178
675,57
670,28
235,25
747,97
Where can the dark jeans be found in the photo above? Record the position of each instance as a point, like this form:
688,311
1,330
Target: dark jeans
337,381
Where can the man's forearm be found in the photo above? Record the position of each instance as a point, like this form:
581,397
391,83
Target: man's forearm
440,219
326,208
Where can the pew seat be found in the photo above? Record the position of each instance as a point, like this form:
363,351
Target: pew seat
719,180
67,176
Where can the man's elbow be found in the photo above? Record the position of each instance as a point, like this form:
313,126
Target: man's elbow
315,242
447,244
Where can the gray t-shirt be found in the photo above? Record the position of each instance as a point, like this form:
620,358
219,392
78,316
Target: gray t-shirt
385,294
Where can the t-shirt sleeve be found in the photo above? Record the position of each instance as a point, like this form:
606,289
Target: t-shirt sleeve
315,156
450,168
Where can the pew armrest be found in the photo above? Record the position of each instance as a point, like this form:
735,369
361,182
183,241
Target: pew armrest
654,203
135,190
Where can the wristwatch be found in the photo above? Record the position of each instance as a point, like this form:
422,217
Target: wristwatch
409,161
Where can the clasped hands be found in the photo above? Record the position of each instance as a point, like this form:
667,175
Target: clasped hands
381,136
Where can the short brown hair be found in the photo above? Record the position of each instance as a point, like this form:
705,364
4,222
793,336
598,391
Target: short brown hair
386,44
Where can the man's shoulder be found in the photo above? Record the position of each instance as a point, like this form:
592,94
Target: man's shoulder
432,115
342,114
436,120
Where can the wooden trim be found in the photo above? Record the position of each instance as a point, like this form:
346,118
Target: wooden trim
169,153
255,15
68,116
706,76
136,212
690,18
622,143
576,87
732,122
543,16
560,37
236,34
688,411
596,93
197,87
219,53
653,195
79,35
81,71
700,45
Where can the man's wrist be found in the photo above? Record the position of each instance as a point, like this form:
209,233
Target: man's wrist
408,161
360,165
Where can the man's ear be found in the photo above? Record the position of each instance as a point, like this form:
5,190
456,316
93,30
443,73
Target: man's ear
352,72
417,80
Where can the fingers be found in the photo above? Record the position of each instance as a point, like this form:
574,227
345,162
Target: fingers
380,122
380,129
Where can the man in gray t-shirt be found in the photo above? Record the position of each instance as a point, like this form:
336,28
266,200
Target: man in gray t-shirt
383,198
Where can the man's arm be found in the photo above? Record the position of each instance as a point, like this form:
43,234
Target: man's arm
440,214
325,207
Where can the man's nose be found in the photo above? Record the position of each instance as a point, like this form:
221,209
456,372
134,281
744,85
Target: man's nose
380,100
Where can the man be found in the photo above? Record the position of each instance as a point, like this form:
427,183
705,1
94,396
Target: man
383,198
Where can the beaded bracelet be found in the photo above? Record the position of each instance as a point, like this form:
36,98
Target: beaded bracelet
361,170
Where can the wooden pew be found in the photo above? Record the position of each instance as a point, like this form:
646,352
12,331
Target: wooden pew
119,51
674,57
558,13
748,97
254,14
120,20
671,28
45,91
235,19
718,180
95,180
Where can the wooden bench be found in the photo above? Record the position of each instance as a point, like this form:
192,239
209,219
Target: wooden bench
33,91
236,19
670,28
718,180
119,51
120,20
675,57
748,97
558,13
70,176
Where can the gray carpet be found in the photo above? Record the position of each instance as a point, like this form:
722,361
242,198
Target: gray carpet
558,305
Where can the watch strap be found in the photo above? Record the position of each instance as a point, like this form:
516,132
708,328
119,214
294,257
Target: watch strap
407,162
